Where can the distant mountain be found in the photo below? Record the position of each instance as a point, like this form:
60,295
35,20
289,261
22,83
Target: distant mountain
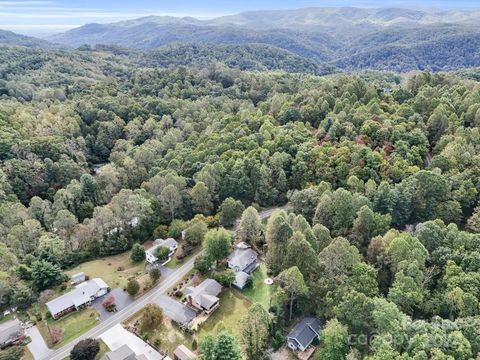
350,38
244,57
11,38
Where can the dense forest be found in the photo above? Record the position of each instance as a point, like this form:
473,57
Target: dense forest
99,150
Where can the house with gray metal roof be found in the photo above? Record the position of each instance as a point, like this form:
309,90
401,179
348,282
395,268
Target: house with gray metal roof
204,297
82,295
303,334
11,332
176,311
243,260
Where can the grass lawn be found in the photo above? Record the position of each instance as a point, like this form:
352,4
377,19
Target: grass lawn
259,292
168,336
175,263
233,307
103,349
114,270
73,325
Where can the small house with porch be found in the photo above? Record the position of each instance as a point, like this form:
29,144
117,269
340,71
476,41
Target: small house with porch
304,333
204,297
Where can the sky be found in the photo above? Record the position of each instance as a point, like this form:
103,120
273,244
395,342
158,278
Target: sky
45,17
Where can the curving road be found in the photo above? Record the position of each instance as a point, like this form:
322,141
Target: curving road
131,309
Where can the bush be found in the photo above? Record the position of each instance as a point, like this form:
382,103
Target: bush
148,284
109,303
154,274
133,287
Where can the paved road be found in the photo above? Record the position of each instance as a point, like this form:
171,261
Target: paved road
124,314
131,309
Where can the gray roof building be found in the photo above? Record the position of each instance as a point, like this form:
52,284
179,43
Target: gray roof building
11,331
123,353
243,259
176,311
204,296
81,295
303,334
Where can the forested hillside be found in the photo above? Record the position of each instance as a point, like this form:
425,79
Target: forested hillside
347,38
99,150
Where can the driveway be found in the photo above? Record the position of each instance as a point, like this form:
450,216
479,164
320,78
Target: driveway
37,346
117,336
163,270
122,300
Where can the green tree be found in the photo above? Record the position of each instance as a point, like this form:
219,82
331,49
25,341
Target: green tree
133,287
250,227
152,317
277,234
291,281
195,232
163,253
334,339
255,331
220,347
154,274
46,275
201,199
138,253
230,210
217,244
171,200
85,350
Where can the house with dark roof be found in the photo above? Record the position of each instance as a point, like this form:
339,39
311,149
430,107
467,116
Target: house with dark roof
82,295
151,254
243,260
303,334
183,353
11,332
204,297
